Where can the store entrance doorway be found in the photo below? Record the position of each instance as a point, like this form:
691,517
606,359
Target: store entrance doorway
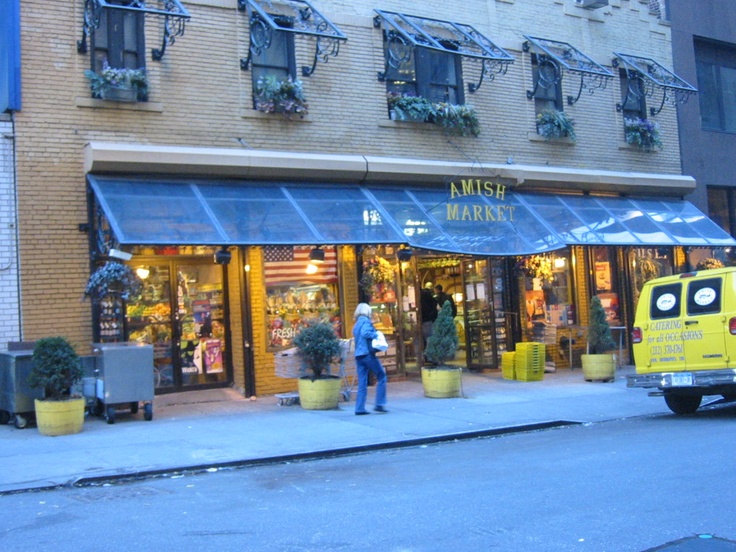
182,313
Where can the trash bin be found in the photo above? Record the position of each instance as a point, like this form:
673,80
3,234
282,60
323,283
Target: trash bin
16,397
124,378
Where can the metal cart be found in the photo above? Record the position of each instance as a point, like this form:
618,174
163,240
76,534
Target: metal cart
16,398
124,379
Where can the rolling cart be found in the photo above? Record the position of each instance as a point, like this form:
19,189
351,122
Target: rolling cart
16,398
124,379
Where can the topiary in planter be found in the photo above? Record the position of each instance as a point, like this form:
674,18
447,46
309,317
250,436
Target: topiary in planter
319,347
56,368
600,340
443,342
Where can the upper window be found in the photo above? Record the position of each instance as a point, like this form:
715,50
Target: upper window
434,75
277,59
547,90
716,68
423,57
119,41
633,95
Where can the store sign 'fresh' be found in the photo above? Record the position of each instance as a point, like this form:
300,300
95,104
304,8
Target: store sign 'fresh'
479,212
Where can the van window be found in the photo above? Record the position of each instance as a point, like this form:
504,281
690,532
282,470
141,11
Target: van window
666,301
704,296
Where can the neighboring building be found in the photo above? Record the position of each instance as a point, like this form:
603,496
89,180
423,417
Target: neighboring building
192,171
704,52
10,102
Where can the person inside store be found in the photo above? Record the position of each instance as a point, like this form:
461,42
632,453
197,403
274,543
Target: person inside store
429,310
366,361
441,297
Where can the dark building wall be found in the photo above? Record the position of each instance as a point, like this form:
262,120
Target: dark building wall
708,156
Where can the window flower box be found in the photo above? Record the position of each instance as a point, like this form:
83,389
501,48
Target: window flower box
285,96
118,84
461,120
553,125
642,133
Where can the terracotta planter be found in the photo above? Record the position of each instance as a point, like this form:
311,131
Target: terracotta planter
320,394
599,367
60,417
441,383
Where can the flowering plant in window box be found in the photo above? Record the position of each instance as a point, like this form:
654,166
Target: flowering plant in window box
643,133
554,124
456,119
120,84
274,95
410,108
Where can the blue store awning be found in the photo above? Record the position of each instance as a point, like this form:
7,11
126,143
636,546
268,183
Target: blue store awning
161,211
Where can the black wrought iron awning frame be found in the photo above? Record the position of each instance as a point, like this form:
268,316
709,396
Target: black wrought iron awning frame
407,32
655,75
565,57
174,13
303,18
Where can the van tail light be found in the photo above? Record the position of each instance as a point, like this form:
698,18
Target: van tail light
732,326
636,332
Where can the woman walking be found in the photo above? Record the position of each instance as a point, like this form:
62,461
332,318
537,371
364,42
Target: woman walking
365,361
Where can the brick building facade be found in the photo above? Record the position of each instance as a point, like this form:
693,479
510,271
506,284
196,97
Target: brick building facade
198,121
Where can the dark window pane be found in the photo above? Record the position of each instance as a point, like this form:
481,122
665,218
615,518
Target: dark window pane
666,301
704,296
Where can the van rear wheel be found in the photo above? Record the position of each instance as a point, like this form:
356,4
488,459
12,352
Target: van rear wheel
683,404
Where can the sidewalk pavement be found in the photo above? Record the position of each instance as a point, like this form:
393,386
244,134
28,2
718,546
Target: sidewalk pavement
202,430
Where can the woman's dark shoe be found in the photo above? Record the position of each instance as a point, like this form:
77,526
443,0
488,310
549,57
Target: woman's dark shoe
362,413
381,409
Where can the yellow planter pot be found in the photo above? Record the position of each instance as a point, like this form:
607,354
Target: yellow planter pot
320,394
441,383
60,417
598,367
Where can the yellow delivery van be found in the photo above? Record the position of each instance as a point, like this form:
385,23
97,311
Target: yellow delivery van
684,338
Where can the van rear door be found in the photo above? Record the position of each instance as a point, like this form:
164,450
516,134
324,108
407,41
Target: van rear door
704,331
662,345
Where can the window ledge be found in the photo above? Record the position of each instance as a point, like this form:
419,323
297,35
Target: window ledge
566,141
255,114
623,145
125,106
410,125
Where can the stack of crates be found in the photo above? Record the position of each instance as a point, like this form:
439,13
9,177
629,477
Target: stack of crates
507,365
529,361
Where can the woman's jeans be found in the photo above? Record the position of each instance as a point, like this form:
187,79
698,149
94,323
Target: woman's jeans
363,365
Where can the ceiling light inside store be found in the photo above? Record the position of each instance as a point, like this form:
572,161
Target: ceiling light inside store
317,255
312,268
143,272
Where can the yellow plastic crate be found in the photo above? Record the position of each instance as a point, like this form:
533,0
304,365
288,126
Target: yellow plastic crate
507,365
529,361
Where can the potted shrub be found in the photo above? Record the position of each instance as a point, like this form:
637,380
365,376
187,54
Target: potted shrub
410,108
318,348
441,381
56,369
118,84
113,277
274,95
709,263
599,362
554,124
642,133
461,120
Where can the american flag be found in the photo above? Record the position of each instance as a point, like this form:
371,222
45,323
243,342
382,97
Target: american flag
287,265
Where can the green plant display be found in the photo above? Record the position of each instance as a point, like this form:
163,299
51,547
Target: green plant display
600,339
554,124
457,119
536,266
443,342
709,264
376,271
56,367
113,276
461,120
642,133
318,346
286,96
111,77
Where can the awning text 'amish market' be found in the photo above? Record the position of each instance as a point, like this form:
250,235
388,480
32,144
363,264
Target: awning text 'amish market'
479,212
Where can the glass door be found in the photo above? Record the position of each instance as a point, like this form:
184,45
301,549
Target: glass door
184,321
486,334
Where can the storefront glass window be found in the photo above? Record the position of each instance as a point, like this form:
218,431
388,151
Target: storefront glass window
298,291
378,283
